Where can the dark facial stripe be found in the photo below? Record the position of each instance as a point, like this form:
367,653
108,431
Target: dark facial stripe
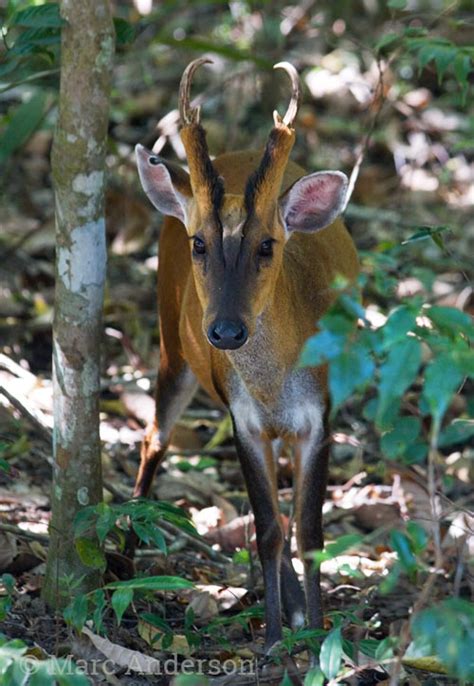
214,181
256,179
231,243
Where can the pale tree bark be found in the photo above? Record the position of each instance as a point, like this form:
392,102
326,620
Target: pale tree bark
78,160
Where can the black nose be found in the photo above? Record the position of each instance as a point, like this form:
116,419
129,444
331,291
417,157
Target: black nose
227,335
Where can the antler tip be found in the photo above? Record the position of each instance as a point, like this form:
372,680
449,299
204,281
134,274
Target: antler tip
188,114
292,110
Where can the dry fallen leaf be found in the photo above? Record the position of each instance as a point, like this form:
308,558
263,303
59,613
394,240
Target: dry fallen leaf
203,605
8,550
124,657
154,638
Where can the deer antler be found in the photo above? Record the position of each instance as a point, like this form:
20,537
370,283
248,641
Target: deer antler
263,186
207,186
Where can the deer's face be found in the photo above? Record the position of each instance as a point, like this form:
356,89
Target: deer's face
237,247
236,260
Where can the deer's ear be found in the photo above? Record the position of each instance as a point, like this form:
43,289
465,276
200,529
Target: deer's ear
314,201
166,184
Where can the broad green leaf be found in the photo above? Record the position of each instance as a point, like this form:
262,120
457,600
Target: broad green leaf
404,431
321,347
23,123
157,622
401,544
337,547
397,4
75,613
389,39
462,67
459,431
418,536
442,379
400,322
451,320
78,679
29,41
443,58
351,370
190,680
121,599
286,681
153,583
385,649
397,373
90,553
98,599
46,15
106,518
447,631
314,677
124,31
330,657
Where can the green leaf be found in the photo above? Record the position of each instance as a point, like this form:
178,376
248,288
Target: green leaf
447,631
418,537
23,123
459,431
121,599
153,583
157,622
314,677
351,370
404,431
46,15
400,322
98,599
389,39
323,346
330,657
385,649
397,4
106,518
397,373
286,681
337,547
442,379
125,33
75,613
451,320
401,544
90,553
425,232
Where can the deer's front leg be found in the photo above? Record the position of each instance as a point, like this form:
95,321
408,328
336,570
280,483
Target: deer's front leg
311,466
256,459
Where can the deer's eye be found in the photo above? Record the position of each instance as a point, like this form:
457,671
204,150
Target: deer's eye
199,247
266,248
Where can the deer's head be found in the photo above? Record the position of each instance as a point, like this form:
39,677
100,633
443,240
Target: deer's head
237,241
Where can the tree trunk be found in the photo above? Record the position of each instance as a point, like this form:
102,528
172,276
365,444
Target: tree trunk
78,159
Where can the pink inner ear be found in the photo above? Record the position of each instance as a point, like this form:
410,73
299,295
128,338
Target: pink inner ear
314,201
157,184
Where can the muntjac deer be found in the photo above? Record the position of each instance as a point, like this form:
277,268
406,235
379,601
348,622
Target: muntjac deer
248,251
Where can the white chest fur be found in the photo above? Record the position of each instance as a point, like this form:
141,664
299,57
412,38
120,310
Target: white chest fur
295,413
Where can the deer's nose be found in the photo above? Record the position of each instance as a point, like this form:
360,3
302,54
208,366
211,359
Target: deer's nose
227,334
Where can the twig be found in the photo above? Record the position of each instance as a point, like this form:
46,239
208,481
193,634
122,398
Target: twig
438,564
35,416
14,368
22,533
379,98
195,542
